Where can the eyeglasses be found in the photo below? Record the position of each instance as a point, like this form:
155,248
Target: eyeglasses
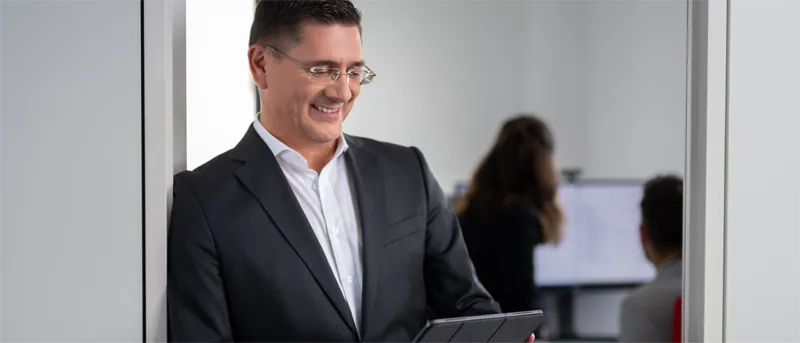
327,76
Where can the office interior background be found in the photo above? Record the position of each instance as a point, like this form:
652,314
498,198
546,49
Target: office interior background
608,76
103,101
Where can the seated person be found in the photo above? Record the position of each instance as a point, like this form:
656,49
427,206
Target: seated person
647,313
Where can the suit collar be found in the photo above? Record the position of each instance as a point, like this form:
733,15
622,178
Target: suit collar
277,147
368,172
249,144
670,268
263,178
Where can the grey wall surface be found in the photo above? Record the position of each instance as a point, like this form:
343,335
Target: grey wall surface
762,262
71,181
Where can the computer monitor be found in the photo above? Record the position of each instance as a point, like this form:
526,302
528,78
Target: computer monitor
560,265
601,243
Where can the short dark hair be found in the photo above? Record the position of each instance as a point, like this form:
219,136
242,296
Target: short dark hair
662,212
276,20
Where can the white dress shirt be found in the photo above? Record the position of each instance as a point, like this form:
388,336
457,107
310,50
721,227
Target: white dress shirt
330,208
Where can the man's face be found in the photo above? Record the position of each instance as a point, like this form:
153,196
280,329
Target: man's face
308,110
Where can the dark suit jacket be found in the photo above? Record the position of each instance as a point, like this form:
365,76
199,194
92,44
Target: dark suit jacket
244,264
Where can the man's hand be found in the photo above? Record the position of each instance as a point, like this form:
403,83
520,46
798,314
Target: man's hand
530,339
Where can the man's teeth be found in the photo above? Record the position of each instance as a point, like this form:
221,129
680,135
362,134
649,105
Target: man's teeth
325,109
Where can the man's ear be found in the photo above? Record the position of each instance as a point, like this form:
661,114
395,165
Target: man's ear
643,237
257,59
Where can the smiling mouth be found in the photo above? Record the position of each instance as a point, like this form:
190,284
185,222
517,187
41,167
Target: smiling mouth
326,109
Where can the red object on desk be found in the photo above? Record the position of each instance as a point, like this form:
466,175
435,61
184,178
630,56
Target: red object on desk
676,321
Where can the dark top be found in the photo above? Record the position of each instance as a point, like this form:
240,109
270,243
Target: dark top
501,244
243,264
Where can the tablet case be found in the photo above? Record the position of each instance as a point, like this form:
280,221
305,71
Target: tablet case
513,327
517,328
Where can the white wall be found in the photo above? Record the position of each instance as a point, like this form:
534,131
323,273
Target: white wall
220,94
635,98
554,73
443,82
610,78
71,181
762,264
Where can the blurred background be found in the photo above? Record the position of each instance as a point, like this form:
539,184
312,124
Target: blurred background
88,142
608,77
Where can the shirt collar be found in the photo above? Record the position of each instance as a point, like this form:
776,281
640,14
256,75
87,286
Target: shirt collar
671,266
277,147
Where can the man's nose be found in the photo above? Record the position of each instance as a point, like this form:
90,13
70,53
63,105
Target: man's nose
340,89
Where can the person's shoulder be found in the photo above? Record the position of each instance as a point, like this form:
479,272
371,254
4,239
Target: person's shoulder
380,147
646,313
660,294
392,153
215,172
637,307
638,297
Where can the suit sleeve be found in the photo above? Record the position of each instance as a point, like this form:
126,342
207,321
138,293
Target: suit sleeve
196,304
452,288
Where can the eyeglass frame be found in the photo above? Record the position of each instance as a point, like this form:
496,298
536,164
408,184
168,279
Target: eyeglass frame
367,79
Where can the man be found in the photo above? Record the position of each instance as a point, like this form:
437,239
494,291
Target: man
301,233
647,313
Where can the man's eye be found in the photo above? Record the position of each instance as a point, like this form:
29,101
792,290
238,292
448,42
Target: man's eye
321,72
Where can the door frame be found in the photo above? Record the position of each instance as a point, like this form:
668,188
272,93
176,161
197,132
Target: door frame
164,34
706,171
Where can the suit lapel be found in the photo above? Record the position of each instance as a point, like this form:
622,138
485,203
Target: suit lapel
264,178
367,176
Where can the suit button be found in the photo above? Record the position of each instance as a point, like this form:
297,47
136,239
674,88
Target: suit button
349,279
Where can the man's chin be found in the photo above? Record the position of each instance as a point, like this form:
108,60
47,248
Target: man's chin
325,133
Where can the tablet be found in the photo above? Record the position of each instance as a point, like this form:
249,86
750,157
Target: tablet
513,327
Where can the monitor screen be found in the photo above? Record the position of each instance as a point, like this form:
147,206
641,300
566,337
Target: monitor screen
601,238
